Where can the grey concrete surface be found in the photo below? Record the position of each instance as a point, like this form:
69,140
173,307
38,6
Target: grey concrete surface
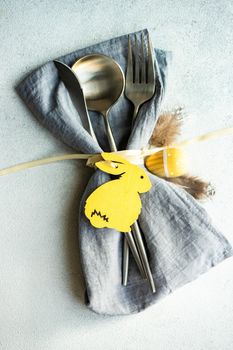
41,287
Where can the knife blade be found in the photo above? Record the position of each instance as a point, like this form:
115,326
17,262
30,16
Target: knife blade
72,84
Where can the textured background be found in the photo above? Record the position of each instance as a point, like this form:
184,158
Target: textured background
41,287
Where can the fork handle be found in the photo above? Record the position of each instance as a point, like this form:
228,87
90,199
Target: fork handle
129,242
142,254
135,112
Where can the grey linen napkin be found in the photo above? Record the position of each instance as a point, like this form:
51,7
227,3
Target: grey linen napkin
181,240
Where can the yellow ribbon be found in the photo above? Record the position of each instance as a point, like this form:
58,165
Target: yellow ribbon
43,161
208,136
134,156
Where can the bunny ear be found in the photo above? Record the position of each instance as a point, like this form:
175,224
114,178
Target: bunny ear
109,167
113,157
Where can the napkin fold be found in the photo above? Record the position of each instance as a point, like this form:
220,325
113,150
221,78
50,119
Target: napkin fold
181,241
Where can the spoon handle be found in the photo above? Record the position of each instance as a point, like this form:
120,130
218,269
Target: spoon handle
111,140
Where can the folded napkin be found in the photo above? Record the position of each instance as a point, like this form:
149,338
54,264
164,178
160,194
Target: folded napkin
181,240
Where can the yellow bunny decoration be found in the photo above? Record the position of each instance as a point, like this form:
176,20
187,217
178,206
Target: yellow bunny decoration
117,204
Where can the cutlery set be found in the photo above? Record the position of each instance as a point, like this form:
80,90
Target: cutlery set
95,82
112,199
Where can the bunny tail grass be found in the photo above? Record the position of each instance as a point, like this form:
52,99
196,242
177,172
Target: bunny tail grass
195,186
166,130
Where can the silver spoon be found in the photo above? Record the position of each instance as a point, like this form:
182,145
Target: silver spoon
103,82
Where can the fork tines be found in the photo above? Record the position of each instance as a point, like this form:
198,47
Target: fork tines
140,75
140,68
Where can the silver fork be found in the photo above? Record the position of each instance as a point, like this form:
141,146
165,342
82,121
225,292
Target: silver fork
140,77
140,87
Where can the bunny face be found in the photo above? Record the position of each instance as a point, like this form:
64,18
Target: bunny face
135,177
140,179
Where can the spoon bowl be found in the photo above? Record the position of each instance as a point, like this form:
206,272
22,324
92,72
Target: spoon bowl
103,82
